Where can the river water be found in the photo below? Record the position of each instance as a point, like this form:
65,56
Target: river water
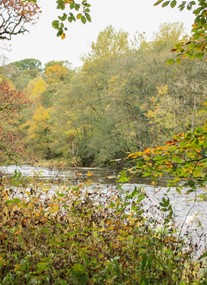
190,212
97,175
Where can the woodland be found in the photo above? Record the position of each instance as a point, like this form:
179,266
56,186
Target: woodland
124,98
135,105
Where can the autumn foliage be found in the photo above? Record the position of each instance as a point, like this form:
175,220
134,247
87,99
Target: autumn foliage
193,47
184,158
79,236
14,17
11,105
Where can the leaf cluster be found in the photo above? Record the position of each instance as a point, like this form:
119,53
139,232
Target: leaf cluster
183,160
195,46
76,11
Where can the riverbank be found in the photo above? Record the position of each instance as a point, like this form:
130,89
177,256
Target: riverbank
88,234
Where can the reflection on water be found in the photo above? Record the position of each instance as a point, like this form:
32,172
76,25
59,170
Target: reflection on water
96,175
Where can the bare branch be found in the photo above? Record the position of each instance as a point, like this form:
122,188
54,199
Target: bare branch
15,15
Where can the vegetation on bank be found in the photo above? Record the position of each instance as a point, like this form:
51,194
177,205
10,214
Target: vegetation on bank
65,234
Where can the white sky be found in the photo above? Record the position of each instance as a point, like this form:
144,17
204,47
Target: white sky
131,16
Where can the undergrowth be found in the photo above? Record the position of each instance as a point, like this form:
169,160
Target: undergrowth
78,236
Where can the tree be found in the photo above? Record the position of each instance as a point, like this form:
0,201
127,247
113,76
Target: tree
183,158
109,43
30,64
15,15
102,111
105,100
35,87
56,71
168,35
195,47
21,72
56,74
39,132
11,140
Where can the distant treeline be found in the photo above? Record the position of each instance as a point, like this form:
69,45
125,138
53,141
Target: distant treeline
124,98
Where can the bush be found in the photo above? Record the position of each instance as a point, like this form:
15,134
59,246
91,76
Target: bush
77,236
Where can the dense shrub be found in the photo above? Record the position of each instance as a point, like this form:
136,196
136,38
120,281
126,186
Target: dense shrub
78,235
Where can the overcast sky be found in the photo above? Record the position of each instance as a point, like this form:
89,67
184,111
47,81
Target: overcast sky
131,16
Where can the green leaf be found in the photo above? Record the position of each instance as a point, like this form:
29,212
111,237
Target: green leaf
63,17
88,17
77,7
158,2
80,274
55,24
178,190
42,266
182,6
159,157
83,19
199,55
59,33
173,3
189,6
84,3
71,18
13,201
177,159
197,11
60,194
165,3
170,61
123,177
60,5
165,202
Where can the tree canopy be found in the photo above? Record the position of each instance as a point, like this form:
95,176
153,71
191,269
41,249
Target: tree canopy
195,46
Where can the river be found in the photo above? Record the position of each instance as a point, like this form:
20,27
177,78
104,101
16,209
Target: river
190,213
97,175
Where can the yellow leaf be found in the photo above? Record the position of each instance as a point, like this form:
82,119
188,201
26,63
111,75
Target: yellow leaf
68,2
89,174
134,154
54,209
37,214
79,16
63,36
162,90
